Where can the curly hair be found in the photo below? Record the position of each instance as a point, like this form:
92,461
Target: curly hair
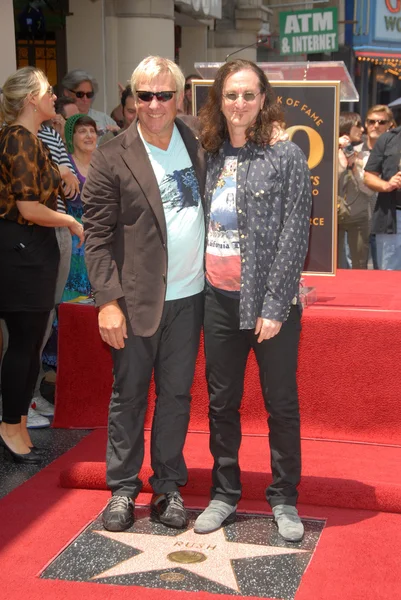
213,123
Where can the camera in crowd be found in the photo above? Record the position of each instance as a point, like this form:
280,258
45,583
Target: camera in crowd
349,150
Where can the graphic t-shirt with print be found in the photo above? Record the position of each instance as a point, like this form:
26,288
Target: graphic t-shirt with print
223,262
183,212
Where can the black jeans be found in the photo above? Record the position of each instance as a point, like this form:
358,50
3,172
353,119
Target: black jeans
227,348
21,363
172,353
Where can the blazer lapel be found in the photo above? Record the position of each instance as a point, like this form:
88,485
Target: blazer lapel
136,158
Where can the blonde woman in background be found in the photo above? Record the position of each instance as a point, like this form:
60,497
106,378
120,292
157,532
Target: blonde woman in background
29,185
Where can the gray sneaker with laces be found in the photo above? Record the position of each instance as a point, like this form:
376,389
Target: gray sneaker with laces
289,524
118,514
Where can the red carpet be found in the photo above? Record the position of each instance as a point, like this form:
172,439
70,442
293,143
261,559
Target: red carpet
357,557
349,384
334,474
349,390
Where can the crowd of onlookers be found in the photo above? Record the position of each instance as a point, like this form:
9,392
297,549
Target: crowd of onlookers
369,194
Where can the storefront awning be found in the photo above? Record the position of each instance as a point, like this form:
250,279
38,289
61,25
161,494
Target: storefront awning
376,52
387,58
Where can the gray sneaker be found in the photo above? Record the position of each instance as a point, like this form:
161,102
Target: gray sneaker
289,524
218,513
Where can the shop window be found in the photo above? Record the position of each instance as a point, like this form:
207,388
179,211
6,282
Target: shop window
38,53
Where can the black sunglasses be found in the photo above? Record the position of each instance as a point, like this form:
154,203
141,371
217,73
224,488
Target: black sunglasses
374,121
160,96
89,95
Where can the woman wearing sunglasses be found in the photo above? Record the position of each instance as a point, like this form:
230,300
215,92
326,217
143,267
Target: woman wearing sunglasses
354,198
82,87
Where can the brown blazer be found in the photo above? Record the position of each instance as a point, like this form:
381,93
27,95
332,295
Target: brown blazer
125,227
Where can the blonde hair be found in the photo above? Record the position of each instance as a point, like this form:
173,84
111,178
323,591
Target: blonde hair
15,92
152,66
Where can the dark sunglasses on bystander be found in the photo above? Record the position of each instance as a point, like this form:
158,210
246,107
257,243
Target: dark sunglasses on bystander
379,121
160,96
89,95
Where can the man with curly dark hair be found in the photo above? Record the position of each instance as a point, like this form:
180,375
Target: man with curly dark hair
258,204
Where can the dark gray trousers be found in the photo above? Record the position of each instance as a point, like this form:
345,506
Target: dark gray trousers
172,353
227,348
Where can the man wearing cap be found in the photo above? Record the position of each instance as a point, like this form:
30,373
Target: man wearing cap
144,228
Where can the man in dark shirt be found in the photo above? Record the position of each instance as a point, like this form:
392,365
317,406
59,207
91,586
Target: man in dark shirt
383,175
258,203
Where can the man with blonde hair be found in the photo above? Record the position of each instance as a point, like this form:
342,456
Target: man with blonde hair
379,119
144,228
383,175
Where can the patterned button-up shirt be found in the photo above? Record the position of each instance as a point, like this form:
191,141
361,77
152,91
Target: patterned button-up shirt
273,203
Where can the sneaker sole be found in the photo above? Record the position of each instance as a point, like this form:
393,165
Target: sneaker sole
118,527
229,521
293,541
155,517
287,539
37,426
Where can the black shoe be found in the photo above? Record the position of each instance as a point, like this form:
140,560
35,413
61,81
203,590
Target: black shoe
169,509
118,514
40,451
31,457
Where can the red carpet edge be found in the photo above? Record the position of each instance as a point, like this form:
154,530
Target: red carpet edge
357,476
357,557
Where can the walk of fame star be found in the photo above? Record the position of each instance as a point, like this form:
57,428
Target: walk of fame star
211,554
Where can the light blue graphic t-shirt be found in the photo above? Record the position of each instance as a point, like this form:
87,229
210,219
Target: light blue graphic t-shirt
183,212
